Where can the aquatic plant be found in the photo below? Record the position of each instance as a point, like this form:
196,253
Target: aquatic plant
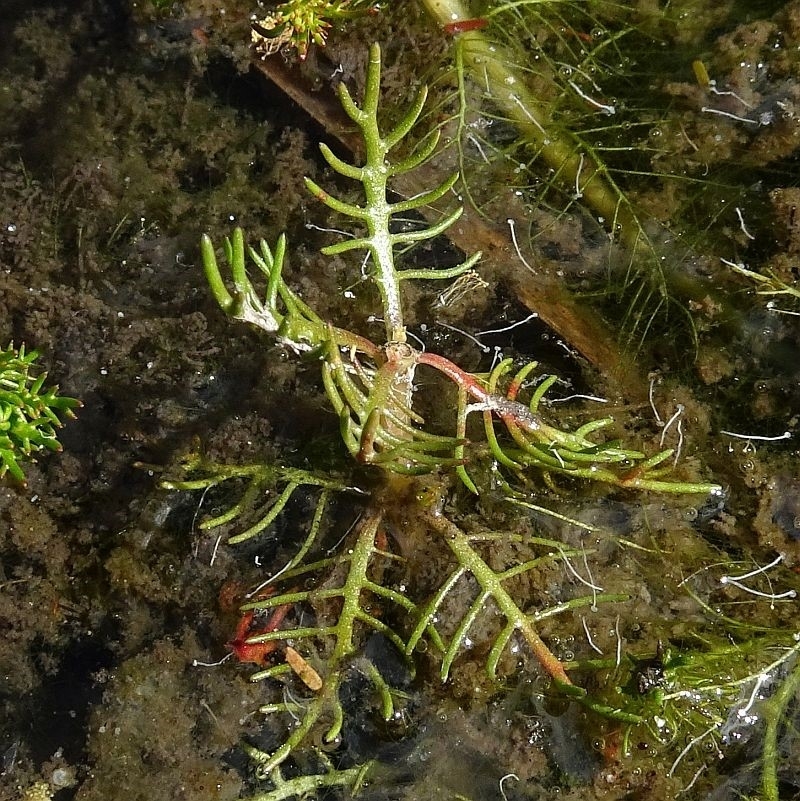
548,71
352,591
299,23
30,413
769,285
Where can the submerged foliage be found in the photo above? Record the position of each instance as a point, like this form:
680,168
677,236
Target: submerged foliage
324,606
561,122
301,23
30,413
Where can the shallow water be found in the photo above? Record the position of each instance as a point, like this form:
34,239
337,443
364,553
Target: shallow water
126,135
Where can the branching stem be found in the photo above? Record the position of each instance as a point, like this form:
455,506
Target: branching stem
491,584
377,212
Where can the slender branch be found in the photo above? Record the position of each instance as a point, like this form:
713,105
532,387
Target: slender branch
490,62
468,558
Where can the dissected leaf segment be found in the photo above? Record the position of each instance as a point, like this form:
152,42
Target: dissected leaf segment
308,627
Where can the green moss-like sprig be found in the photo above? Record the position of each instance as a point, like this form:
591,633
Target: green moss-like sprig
30,413
300,23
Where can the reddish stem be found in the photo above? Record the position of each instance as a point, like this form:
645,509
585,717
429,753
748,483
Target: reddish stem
464,25
507,409
465,380
256,652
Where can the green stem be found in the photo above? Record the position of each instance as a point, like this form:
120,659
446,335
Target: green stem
310,786
377,210
570,160
775,709
491,583
351,592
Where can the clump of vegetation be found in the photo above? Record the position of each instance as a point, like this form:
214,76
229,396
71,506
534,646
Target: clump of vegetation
321,608
664,696
30,413
301,23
